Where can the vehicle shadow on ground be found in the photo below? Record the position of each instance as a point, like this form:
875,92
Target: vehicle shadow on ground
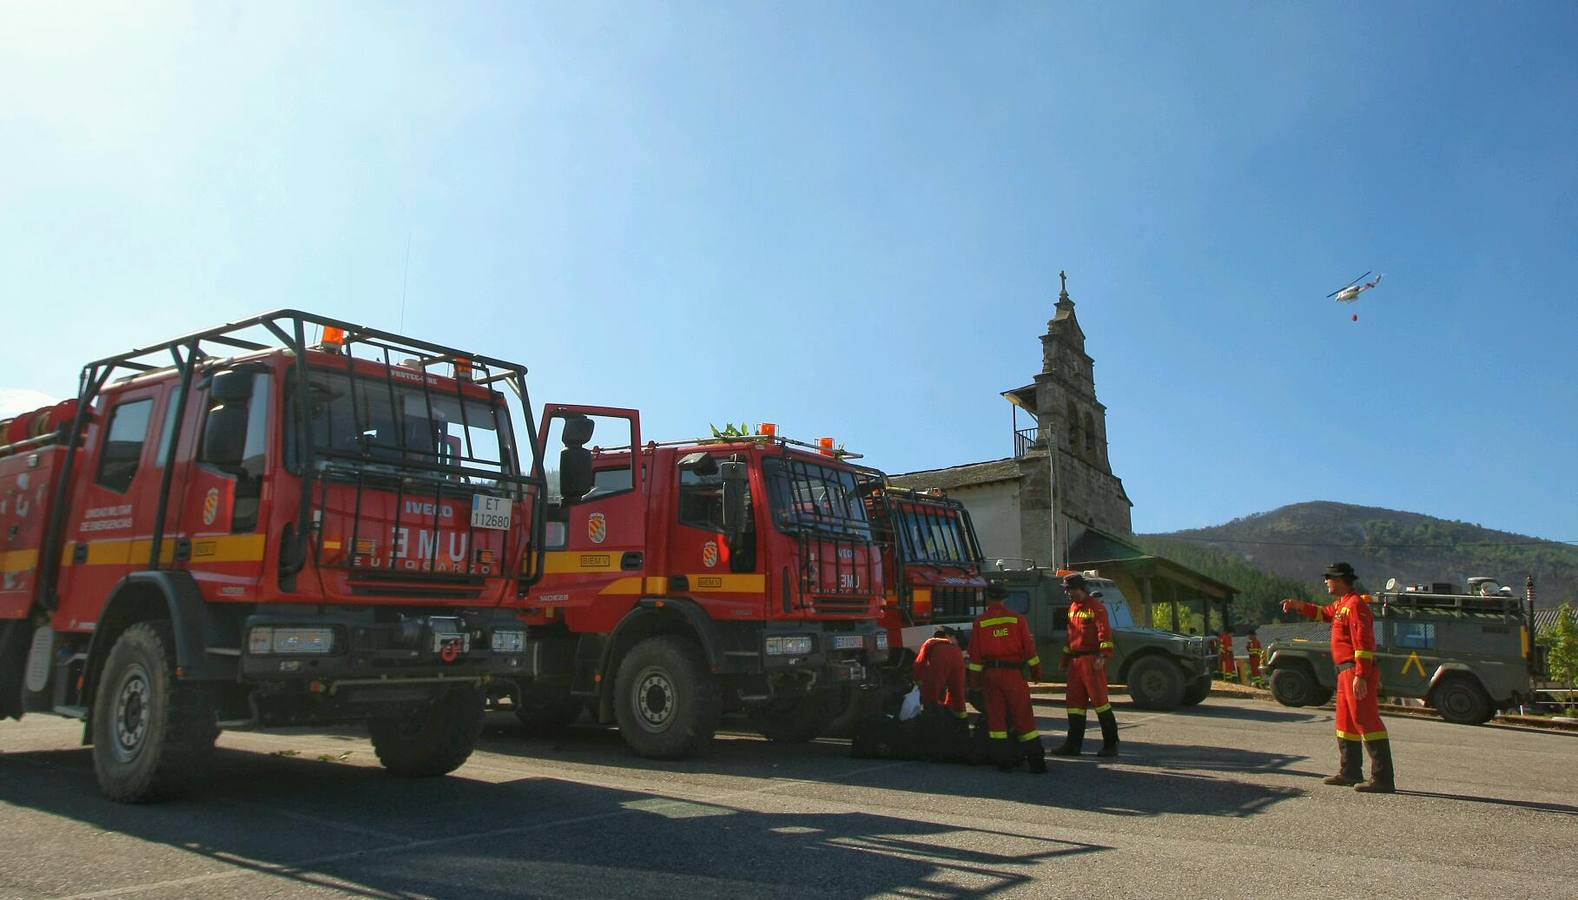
1087,783
1558,808
1250,714
353,828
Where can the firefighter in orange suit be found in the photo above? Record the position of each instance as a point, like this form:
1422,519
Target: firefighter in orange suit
1358,682
1085,660
1229,666
939,673
1000,649
1252,647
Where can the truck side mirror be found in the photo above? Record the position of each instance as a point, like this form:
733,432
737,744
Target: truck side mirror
225,436
231,387
735,482
575,461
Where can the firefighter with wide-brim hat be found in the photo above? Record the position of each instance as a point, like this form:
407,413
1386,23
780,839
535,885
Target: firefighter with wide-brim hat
1358,681
1085,660
1001,649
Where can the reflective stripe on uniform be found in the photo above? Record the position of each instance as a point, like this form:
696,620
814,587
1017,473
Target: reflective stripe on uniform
1374,736
1033,661
1083,614
1075,711
997,735
976,667
1103,708
1106,645
1364,654
1030,736
1349,736
1000,620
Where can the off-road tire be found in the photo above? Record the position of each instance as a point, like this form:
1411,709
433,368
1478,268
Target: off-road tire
152,732
1195,693
545,710
795,720
434,741
1155,682
1320,696
1293,686
1458,698
665,698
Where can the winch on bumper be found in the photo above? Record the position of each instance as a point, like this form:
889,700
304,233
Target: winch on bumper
352,646
819,655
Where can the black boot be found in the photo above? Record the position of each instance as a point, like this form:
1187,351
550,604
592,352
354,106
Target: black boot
1109,733
1075,738
1035,755
1381,779
1003,755
1350,763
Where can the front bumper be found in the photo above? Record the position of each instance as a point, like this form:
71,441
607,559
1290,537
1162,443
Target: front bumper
413,648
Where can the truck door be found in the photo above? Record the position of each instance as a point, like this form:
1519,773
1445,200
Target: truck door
1406,651
723,574
595,524
110,521
221,538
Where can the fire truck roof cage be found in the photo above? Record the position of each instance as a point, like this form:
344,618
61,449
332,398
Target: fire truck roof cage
286,329
762,439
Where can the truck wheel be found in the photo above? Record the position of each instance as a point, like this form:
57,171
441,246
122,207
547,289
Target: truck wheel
1155,683
1320,696
434,741
1292,686
1460,699
795,720
665,698
547,710
1197,692
151,731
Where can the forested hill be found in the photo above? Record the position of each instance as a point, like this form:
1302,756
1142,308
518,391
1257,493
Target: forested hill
1269,555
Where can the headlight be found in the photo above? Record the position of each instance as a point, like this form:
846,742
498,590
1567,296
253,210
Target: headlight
789,645
882,640
288,641
509,641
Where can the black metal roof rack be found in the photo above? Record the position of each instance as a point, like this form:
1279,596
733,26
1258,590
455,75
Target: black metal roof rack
282,329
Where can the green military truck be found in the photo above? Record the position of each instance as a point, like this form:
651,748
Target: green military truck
1466,653
1162,670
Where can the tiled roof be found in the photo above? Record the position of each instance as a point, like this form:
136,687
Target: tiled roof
959,476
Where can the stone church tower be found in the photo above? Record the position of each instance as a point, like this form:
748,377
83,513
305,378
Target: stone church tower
1070,436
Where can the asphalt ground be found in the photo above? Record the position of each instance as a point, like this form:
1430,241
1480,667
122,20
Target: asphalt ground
1223,800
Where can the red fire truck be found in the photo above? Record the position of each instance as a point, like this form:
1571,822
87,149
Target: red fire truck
683,580
238,528
930,548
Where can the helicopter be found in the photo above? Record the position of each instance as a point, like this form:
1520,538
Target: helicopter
1351,291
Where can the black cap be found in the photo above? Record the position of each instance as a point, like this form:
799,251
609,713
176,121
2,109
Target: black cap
995,591
1341,570
943,631
1073,580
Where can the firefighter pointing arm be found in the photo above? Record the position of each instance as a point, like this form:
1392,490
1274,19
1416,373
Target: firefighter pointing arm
1358,682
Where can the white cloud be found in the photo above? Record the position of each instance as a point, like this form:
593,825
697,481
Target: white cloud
20,400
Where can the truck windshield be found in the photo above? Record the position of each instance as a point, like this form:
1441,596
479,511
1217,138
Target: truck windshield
806,496
384,421
933,535
1118,614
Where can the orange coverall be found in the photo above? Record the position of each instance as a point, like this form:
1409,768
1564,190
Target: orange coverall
1000,648
1089,636
1353,651
939,671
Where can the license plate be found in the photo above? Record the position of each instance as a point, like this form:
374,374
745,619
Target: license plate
490,512
848,642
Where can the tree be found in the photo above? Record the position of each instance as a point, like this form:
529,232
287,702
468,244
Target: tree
1561,655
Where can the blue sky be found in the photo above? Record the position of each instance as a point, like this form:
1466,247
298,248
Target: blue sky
848,218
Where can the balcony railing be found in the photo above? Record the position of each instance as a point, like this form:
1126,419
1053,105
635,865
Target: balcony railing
1024,439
